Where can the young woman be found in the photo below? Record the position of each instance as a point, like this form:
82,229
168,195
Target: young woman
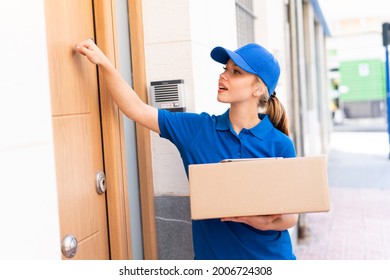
248,82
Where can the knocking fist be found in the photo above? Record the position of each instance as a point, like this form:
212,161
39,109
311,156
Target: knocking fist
89,49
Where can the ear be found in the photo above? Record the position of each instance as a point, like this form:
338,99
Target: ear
258,87
256,92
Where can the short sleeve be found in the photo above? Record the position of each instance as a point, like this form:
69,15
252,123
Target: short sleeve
289,151
181,128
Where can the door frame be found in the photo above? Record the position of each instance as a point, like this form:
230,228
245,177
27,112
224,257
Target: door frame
112,140
113,135
143,135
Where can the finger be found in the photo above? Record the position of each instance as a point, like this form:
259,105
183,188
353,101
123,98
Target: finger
84,50
230,219
89,44
276,216
235,219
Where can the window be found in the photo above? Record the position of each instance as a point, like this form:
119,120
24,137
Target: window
245,18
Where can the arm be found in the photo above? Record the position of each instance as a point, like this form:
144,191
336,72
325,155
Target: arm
125,97
267,222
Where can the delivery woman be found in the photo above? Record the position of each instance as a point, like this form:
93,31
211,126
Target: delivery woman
247,83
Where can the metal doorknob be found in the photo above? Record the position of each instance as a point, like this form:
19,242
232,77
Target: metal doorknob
69,246
100,182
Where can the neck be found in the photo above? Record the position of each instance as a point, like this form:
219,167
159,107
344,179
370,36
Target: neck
241,117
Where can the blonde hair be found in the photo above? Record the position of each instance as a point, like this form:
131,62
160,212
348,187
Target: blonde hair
271,106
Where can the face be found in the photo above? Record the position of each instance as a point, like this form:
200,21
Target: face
237,86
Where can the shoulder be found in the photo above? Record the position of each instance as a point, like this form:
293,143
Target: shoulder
165,115
285,144
282,144
181,122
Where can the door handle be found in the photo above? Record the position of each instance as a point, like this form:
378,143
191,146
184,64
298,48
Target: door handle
69,246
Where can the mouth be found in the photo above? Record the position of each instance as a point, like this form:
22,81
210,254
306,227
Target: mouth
221,87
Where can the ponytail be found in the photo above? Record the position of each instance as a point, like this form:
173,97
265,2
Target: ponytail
271,106
277,114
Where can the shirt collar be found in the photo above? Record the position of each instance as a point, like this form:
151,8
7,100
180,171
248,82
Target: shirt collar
223,122
260,131
263,128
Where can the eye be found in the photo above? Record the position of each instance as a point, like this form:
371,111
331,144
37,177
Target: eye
234,71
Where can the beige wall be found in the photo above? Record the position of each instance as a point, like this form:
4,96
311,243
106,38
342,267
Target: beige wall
168,57
28,201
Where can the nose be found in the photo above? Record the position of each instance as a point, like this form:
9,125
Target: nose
223,75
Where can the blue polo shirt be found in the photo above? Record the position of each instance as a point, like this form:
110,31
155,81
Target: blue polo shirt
201,138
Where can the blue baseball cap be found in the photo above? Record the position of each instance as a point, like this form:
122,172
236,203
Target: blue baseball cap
254,59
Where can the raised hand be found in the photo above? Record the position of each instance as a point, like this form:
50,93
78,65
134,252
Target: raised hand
89,49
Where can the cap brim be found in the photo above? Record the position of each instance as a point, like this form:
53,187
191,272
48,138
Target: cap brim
222,55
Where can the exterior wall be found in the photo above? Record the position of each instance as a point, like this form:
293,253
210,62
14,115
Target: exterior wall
28,203
313,135
322,87
310,123
168,57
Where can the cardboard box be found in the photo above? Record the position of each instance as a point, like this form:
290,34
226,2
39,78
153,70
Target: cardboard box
259,187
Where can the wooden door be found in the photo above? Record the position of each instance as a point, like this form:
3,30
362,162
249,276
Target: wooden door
76,127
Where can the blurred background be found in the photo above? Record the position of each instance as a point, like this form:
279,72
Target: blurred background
357,226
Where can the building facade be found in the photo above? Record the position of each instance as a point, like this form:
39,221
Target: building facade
147,203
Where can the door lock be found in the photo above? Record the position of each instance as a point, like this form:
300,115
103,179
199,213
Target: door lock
100,182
